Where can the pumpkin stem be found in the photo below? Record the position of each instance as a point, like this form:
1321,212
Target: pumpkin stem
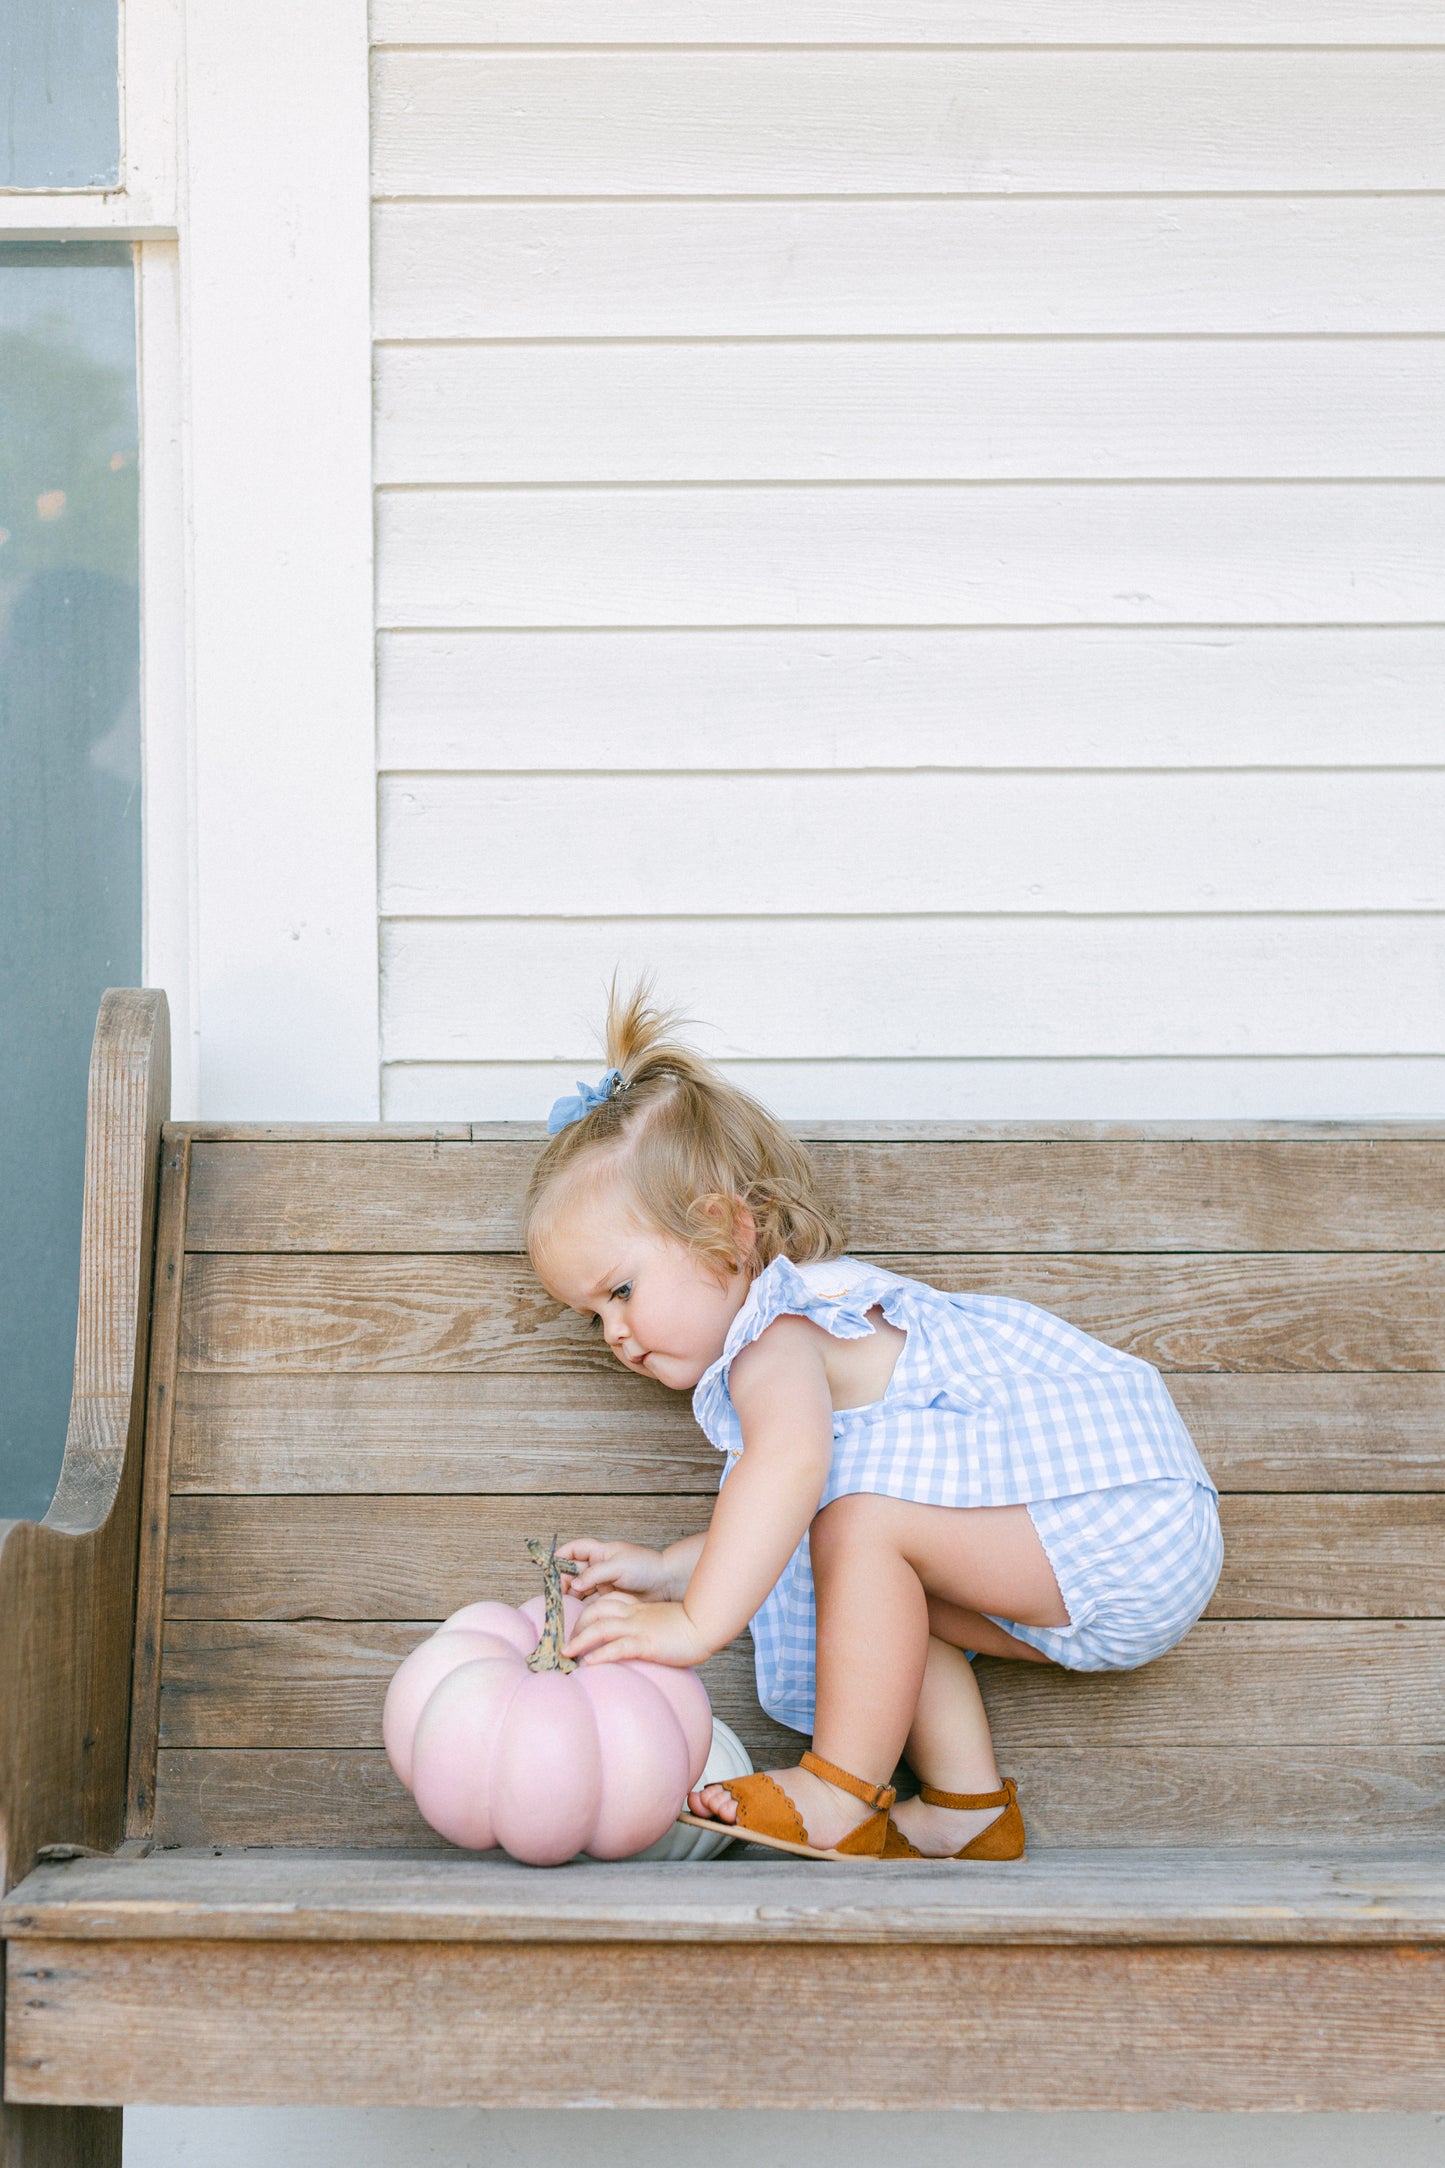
547,1655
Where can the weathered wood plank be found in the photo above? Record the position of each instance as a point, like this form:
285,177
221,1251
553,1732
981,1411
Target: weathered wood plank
386,1558
481,1313
67,1583
917,1195
316,1684
1037,2027
1351,1682
155,1506
1319,1896
357,1433
1073,1795
653,122
379,1558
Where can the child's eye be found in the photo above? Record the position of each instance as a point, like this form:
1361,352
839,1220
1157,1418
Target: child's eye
623,1293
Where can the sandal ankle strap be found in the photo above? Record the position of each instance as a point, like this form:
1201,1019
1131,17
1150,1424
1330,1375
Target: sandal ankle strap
962,1801
872,1795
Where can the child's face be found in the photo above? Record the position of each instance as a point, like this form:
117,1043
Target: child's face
662,1309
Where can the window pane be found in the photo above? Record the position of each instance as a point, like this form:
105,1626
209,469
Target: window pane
70,796
59,83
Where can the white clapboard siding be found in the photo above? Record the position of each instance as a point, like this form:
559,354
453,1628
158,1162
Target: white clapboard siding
983,267
1062,698
920,522
1332,1089
907,22
613,846
751,122
1128,553
838,989
903,410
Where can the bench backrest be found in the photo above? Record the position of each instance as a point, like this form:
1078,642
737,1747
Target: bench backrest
361,1404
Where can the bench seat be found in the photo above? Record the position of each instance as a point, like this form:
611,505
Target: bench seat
1129,1978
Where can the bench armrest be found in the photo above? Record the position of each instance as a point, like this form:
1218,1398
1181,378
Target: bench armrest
67,1583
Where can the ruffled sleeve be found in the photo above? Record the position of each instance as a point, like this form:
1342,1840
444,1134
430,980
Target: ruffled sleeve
833,1295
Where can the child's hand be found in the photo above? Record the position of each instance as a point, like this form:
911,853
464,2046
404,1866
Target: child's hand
631,1566
616,1627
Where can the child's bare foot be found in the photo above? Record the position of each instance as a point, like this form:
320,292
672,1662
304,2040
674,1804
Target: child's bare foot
827,1814
939,1832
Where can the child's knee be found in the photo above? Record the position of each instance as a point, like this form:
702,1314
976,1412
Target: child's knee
847,1525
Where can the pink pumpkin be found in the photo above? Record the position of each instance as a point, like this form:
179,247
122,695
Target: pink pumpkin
502,1740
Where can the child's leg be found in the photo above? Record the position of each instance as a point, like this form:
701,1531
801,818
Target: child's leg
951,1748
876,1563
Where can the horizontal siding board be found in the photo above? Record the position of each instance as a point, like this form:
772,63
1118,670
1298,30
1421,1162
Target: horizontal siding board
402,1314
920,22
508,989
1300,1683
913,410
1066,698
1111,1090
1031,553
1064,1195
985,267
357,1434
467,846
1118,1795
647,122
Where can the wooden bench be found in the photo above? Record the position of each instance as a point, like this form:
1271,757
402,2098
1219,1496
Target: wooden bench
346,1405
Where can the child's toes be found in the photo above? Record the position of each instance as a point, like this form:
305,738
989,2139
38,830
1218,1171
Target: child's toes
713,1800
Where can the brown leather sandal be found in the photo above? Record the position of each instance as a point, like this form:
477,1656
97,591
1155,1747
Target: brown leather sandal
1002,1839
766,1815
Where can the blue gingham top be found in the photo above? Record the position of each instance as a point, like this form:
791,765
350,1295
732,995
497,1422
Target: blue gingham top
991,1403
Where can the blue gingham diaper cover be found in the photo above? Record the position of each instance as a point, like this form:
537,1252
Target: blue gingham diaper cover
991,1403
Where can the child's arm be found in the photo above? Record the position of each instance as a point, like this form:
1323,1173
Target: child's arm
780,1390
637,1567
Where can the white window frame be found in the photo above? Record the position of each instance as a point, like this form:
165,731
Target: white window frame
244,190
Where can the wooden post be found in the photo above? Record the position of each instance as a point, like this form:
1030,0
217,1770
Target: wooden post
67,1583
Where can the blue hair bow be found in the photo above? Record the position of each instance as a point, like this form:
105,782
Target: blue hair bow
566,1111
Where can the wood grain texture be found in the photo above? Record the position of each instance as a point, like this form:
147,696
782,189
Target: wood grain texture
312,1682
316,1684
455,846
306,1685
1024,700
921,22
175,1175
929,266
917,1195
1003,410
1280,1797
406,1314
1317,1896
67,1584
440,2025
59,2137
502,990
358,1433
386,1558
757,122
878,554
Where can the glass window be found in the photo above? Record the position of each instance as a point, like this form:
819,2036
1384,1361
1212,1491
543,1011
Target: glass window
70,792
59,83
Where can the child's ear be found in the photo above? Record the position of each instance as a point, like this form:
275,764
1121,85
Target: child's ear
745,1232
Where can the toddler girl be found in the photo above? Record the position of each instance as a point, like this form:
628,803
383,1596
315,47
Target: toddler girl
911,1476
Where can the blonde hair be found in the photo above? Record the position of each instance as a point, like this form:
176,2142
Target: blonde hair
693,1148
